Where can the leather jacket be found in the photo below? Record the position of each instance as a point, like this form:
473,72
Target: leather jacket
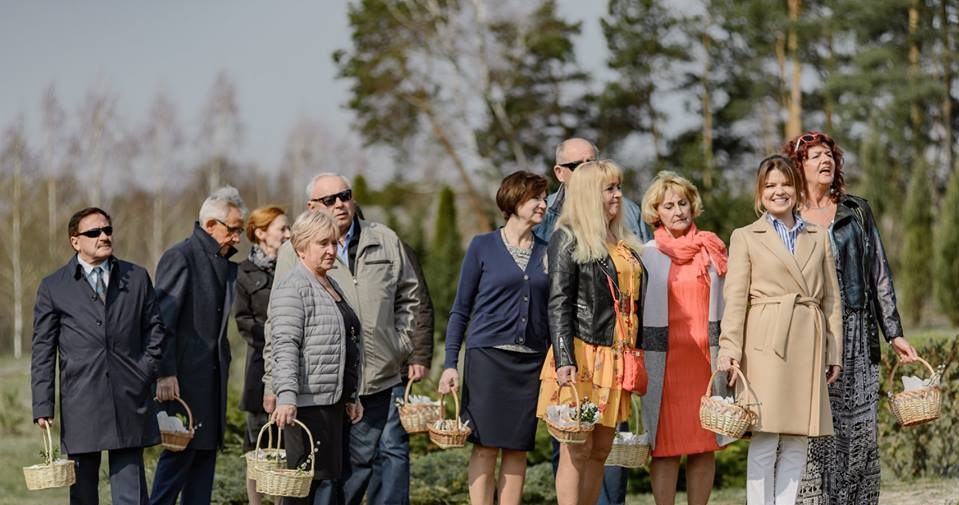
580,304
865,279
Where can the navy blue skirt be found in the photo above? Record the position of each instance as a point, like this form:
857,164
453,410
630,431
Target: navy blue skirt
500,393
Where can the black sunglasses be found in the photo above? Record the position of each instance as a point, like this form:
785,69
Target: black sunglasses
95,232
572,165
233,230
329,200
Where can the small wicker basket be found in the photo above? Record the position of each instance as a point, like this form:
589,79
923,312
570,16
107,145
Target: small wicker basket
570,434
729,419
448,438
629,455
280,481
269,457
416,418
919,406
176,441
60,473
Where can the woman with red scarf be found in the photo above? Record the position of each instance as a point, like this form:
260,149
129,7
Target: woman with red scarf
685,269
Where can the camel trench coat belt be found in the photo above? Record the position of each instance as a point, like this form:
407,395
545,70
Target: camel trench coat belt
787,303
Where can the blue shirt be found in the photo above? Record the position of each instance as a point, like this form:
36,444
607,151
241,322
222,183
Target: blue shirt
496,301
343,246
788,235
88,272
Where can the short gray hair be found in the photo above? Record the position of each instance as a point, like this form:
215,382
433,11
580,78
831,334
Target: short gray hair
312,183
562,147
310,224
217,205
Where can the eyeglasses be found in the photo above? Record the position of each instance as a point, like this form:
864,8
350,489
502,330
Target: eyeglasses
572,165
234,230
807,138
330,200
95,232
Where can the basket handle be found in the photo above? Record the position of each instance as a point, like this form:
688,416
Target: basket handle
575,397
456,403
189,413
892,373
269,432
48,443
312,446
742,380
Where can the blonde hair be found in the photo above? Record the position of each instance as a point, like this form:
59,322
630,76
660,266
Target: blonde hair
656,193
584,214
310,224
793,176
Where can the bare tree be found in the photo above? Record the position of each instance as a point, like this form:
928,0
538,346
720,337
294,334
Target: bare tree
96,142
14,157
55,147
222,131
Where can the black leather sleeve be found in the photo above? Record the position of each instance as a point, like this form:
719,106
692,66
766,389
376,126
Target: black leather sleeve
563,287
887,313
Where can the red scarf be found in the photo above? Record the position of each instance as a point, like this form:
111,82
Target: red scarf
697,247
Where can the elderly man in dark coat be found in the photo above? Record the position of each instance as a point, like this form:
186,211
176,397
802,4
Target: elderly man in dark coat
98,315
195,289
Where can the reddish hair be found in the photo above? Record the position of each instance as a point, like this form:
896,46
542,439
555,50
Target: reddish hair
517,188
798,151
261,219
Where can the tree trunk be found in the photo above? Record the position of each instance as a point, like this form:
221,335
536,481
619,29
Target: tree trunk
52,232
948,78
794,121
915,113
828,99
156,240
15,256
707,119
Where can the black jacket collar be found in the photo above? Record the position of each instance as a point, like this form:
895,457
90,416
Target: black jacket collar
206,242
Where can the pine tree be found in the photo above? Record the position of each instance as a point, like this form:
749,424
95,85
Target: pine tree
442,264
915,272
947,243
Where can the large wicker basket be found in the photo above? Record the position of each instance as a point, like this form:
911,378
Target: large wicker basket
269,457
570,434
281,481
450,437
59,473
416,418
729,419
629,455
919,406
176,441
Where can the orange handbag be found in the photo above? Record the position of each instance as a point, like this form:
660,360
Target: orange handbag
635,378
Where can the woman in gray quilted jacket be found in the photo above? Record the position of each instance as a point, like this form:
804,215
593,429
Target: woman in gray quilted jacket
315,359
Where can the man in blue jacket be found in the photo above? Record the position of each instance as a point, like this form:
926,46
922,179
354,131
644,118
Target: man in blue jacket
570,154
98,315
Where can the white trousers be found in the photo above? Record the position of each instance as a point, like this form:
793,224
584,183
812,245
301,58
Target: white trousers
774,468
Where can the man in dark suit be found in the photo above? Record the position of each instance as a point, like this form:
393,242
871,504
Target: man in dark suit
195,289
98,315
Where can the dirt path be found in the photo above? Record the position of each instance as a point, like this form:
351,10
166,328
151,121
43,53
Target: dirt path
922,492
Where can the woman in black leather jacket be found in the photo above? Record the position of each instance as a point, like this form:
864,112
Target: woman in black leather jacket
593,268
844,469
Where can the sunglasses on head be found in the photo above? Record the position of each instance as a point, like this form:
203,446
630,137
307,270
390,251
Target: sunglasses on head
95,232
572,165
329,200
807,138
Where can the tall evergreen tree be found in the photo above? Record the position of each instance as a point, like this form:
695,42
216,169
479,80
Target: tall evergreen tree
442,263
915,272
947,243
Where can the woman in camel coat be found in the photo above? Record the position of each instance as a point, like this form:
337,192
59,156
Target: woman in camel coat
782,327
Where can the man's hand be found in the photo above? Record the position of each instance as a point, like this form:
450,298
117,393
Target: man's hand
449,381
833,375
417,372
354,411
284,415
269,402
45,422
906,352
566,375
168,388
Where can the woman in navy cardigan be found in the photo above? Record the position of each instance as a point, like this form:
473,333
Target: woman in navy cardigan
501,298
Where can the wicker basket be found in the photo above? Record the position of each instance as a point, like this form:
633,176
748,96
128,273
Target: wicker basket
280,481
60,473
417,418
269,457
570,434
916,407
729,419
176,441
453,437
629,455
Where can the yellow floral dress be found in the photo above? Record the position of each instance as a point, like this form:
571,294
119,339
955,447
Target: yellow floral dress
599,368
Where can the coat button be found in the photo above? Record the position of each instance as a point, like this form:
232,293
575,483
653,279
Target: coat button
99,322
525,277
525,298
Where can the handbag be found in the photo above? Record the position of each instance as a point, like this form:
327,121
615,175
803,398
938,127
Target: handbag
635,379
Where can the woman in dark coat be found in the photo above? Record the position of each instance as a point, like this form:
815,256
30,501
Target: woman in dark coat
267,228
844,469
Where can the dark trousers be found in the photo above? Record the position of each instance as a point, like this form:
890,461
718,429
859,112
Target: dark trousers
613,491
390,484
364,444
322,492
128,483
190,471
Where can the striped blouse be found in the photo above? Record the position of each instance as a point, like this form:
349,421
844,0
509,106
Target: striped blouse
788,235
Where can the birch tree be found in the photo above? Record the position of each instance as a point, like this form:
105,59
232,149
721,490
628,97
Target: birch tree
221,132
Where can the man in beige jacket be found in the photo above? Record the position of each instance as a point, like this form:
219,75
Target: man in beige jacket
379,282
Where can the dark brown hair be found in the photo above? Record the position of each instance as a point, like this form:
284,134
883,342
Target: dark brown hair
261,219
517,188
73,227
797,149
788,169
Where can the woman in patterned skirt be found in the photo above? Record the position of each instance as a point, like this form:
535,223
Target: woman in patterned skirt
844,469
594,269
